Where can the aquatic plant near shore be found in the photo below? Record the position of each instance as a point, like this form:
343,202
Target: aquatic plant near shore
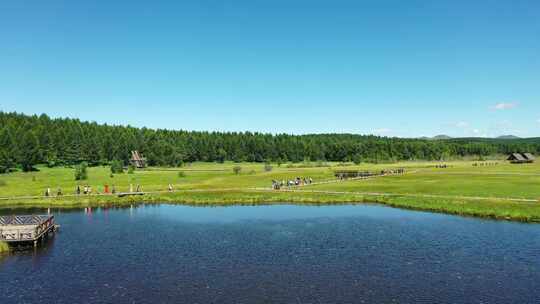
4,247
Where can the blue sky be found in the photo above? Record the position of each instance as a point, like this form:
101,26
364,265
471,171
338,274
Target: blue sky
393,68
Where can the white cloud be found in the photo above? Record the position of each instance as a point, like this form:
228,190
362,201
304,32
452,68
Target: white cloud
538,120
382,131
462,124
479,133
504,106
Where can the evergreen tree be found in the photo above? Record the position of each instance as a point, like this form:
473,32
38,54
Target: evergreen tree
6,162
81,172
28,140
29,155
221,155
117,167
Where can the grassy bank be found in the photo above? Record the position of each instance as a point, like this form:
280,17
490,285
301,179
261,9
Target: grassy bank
424,187
202,198
494,209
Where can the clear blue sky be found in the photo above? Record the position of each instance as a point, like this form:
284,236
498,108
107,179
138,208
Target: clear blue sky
396,68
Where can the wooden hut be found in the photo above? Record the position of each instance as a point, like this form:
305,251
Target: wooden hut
521,158
529,157
137,160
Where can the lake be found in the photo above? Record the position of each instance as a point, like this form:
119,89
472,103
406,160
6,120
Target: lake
276,254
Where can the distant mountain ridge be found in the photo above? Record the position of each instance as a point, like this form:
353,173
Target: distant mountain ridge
437,137
508,137
446,137
441,137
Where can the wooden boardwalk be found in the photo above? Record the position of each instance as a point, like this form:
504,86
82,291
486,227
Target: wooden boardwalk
26,228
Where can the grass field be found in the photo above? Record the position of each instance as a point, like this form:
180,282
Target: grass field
504,190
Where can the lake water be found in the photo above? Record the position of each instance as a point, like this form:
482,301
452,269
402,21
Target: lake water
276,254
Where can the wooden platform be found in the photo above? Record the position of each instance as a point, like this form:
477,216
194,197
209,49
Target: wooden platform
123,194
352,173
26,228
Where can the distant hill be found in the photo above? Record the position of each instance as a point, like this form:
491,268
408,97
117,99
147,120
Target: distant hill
438,137
441,137
508,137
446,137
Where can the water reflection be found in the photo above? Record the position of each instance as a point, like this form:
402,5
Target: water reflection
280,254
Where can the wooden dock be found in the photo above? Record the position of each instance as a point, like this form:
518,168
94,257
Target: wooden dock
18,229
123,194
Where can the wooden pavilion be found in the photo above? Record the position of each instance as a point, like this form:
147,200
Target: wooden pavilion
26,228
137,159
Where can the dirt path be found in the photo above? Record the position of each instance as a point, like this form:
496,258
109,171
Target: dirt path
292,190
485,173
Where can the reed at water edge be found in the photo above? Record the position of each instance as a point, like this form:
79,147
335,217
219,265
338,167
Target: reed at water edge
4,247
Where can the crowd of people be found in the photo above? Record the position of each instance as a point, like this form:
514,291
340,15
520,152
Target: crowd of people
87,190
482,164
48,192
298,181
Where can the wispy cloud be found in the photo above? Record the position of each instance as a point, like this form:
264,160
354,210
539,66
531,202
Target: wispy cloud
479,133
461,124
382,131
504,106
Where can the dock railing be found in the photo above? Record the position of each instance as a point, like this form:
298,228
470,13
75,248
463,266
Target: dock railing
22,228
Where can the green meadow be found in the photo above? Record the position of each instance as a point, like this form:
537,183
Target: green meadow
501,191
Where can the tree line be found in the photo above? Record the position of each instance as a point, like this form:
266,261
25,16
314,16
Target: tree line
29,140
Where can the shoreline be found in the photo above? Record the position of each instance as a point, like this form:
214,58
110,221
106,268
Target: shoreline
486,208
